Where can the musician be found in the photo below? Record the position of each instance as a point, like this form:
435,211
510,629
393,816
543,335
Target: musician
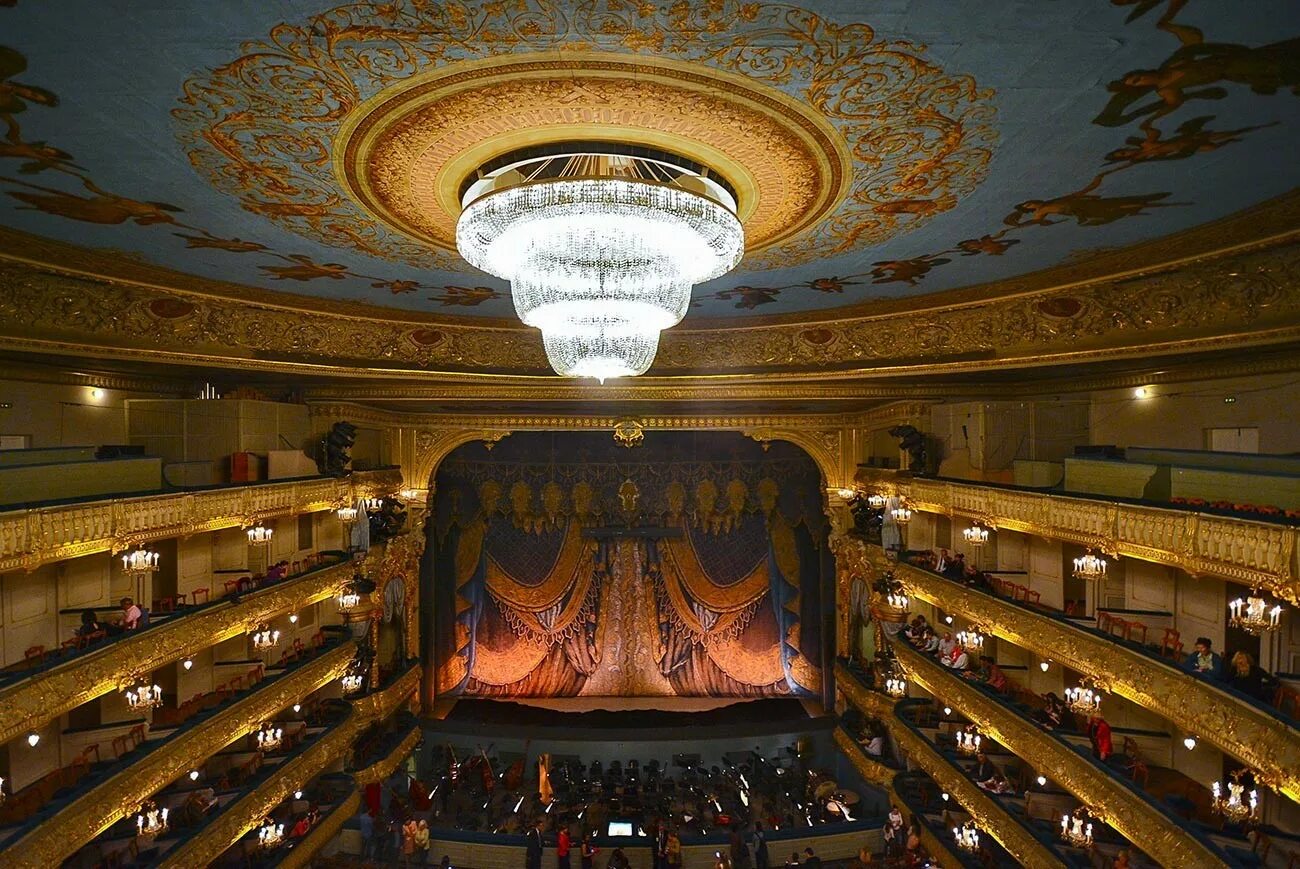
533,850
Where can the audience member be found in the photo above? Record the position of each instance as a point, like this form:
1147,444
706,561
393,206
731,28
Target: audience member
1099,735
983,769
811,859
761,860
131,615
946,645
1053,713
617,859
1203,660
89,624
990,674
1249,678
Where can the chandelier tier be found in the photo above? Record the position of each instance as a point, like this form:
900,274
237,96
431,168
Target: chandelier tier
601,248
1253,614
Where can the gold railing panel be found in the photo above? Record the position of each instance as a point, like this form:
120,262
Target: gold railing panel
26,705
1242,550
322,834
121,795
987,812
251,809
1134,818
1262,741
30,538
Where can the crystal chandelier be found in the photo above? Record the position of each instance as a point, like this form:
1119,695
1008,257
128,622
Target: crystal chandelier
1089,566
269,737
1083,699
347,514
1253,615
140,563
897,600
968,740
876,501
895,686
901,515
1237,806
976,535
352,682
270,834
967,836
1076,828
260,535
349,600
151,820
971,640
143,696
264,638
601,246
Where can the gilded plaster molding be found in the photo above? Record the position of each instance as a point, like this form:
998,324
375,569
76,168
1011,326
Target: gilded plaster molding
1262,741
301,855
387,765
248,811
40,535
987,812
26,705
1133,817
119,796
1247,552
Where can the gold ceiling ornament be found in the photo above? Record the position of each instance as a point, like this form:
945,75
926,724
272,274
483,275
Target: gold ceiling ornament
921,138
629,433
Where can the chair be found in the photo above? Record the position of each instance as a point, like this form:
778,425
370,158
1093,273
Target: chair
165,604
1134,627
34,656
233,586
199,591
1287,700
1103,621
1033,597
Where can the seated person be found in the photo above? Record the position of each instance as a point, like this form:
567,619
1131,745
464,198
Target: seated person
958,660
1249,678
196,805
997,784
131,615
946,645
1052,714
990,674
929,642
89,623
955,568
984,770
1203,660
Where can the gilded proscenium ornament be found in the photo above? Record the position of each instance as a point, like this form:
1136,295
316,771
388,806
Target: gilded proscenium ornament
113,799
399,558
1259,739
26,705
987,812
32,537
248,811
1260,554
1134,818
879,774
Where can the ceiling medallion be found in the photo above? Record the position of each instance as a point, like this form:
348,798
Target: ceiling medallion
601,247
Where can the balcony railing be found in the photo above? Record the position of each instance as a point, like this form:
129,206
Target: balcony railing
40,535
1133,814
53,841
26,705
1258,735
1009,831
246,813
1246,551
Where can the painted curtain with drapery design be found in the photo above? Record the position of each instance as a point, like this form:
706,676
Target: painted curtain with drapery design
566,565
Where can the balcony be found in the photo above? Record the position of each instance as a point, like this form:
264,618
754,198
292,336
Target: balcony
1246,551
1258,735
118,796
243,815
1163,836
27,704
1010,831
40,535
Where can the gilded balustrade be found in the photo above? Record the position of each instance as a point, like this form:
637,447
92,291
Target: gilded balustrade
1251,734
1242,550
1139,821
988,813
26,705
32,537
249,811
121,795
877,773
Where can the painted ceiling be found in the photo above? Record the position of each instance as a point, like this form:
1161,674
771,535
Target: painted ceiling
883,150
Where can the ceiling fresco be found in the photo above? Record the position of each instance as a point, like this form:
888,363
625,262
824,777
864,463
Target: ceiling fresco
881,150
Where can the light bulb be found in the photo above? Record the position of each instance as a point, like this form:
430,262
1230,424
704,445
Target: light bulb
194,775
297,707
1043,665
188,664
1042,781
1190,742
297,795
948,619
945,796
947,710
33,738
1141,392
293,618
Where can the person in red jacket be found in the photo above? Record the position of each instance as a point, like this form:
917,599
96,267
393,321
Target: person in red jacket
1099,734
562,845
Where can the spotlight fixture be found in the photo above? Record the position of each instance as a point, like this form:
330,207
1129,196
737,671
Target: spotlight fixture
1089,566
1253,614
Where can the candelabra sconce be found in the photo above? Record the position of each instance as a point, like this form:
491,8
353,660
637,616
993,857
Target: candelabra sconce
968,740
270,834
265,639
967,837
901,514
353,681
349,600
847,495
269,738
140,564
1076,828
370,505
896,686
972,641
142,695
347,515
1089,566
897,600
1232,801
1084,698
976,535
1253,614
151,820
876,501
260,535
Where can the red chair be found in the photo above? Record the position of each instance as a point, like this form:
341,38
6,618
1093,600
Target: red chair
200,591
165,605
1104,620
1118,627
1033,597
1134,628
35,656
233,586
1287,698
